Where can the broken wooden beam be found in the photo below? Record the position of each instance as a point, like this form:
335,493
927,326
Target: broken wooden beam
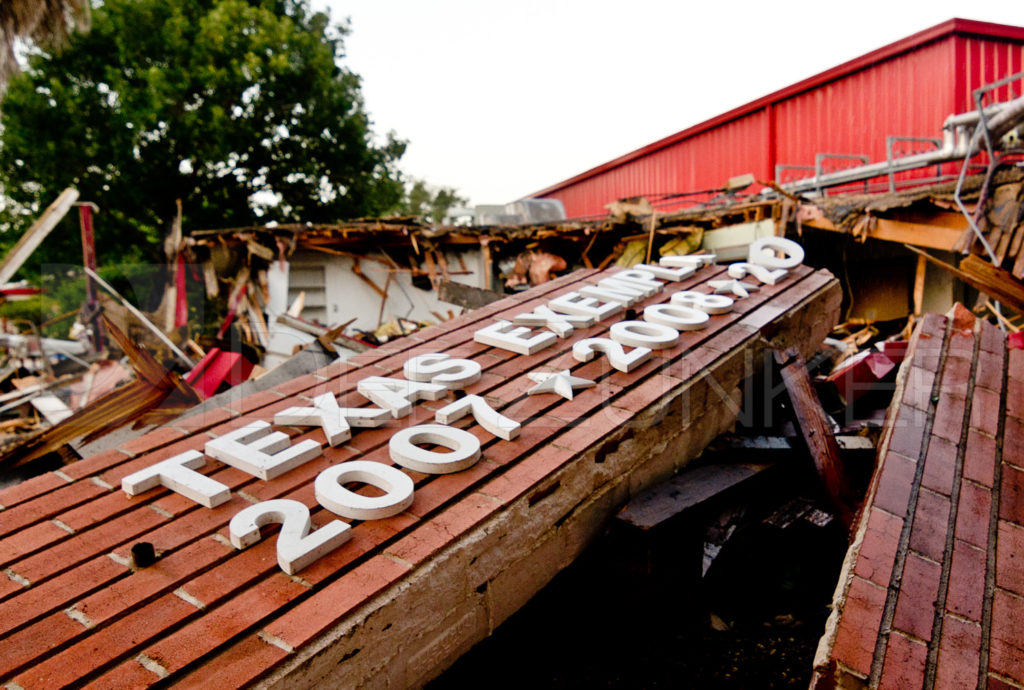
810,418
689,491
142,319
999,284
943,232
35,235
154,397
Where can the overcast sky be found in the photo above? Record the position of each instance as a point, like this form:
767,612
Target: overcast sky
502,99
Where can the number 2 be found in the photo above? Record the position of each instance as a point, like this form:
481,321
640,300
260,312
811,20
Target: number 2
297,547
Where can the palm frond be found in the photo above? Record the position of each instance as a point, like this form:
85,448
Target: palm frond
45,22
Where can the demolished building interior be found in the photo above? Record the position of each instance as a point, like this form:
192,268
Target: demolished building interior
280,301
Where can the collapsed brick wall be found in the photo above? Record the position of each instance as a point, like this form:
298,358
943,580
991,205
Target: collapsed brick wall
407,594
932,591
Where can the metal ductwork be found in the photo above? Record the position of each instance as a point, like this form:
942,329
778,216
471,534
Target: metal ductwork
961,138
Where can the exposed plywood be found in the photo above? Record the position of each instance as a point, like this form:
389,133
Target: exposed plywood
686,491
882,289
942,231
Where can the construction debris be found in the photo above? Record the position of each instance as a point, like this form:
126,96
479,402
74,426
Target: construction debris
289,296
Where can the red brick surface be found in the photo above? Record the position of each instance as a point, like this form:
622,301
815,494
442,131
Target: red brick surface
47,505
908,435
980,458
878,551
894,487
55,592
928,536
220,625
904,662
1011,497
236,666
919,589
130,674
31,488
152,612
959,654
973,514
1007,647
949,417
105,645
858,627
1010,557
965,593
978,582
940,465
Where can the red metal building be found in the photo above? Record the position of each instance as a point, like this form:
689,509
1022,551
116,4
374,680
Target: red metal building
905,89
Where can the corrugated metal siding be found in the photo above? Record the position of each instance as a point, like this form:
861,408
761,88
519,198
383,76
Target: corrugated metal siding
984,61
855,114
906,94
702,162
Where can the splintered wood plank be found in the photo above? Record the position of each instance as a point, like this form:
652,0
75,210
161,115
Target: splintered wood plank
994,281
686,491
816,431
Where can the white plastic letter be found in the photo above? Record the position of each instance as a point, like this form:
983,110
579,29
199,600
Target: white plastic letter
332,494
611,291
762,252
709,304
672,275
507,336
734,287
260,452
178,474
325,413
642,279
563,325
766,275
695,260
465,449
296,546
337,422
643,334
575,303
398,395
676,316
584,351
485,415
441,370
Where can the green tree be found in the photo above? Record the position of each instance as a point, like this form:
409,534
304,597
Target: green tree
428,202
240,108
